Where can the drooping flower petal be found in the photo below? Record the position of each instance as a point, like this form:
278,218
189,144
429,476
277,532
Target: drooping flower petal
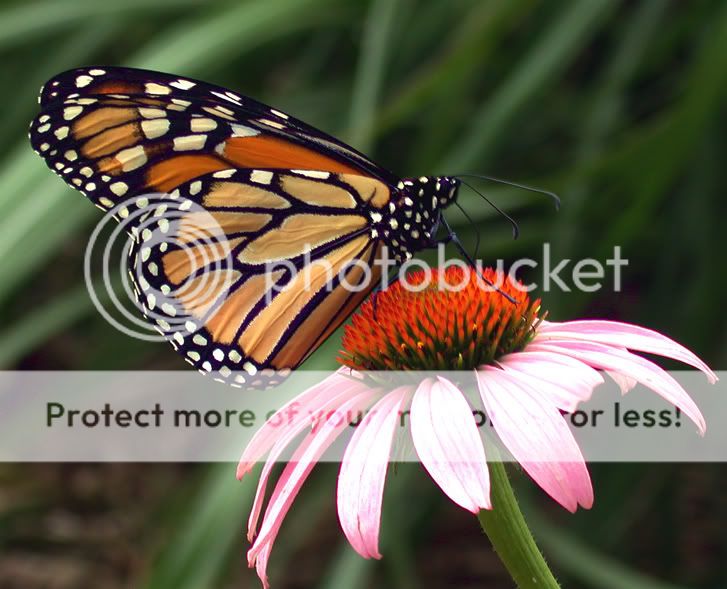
363,473
534,431
296,472
261,564
623,335
631,366
566,381
449,445
296,415
625,384
311,414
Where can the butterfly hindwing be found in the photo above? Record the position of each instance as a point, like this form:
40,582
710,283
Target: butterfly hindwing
242,270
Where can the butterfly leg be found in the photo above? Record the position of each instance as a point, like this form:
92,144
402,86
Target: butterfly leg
452,237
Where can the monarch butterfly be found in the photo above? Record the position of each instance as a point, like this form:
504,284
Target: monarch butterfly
268,187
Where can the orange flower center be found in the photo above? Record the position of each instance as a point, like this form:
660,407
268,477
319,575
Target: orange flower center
448,319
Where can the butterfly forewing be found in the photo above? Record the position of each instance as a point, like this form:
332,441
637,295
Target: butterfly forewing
116,132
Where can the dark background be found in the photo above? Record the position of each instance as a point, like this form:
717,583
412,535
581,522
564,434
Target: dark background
617,106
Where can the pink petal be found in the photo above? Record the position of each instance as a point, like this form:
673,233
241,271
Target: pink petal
363,473
624,382
566,381
261,564
623,335
295,415
631,366
536,434
295,474
319,407
449,445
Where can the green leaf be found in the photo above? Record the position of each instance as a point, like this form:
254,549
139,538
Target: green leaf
547,58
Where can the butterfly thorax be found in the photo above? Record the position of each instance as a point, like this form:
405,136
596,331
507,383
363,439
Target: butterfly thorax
411,221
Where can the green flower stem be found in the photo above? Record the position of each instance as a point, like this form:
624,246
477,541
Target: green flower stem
511,538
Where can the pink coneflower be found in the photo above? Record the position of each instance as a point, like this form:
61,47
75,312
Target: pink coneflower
528,371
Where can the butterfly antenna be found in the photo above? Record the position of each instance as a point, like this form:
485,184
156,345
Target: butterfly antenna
553,195
515,228
452,236
474,226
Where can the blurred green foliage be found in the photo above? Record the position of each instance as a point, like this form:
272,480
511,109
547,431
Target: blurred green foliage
617,106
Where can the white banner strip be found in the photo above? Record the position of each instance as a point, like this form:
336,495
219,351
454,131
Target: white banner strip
184,417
